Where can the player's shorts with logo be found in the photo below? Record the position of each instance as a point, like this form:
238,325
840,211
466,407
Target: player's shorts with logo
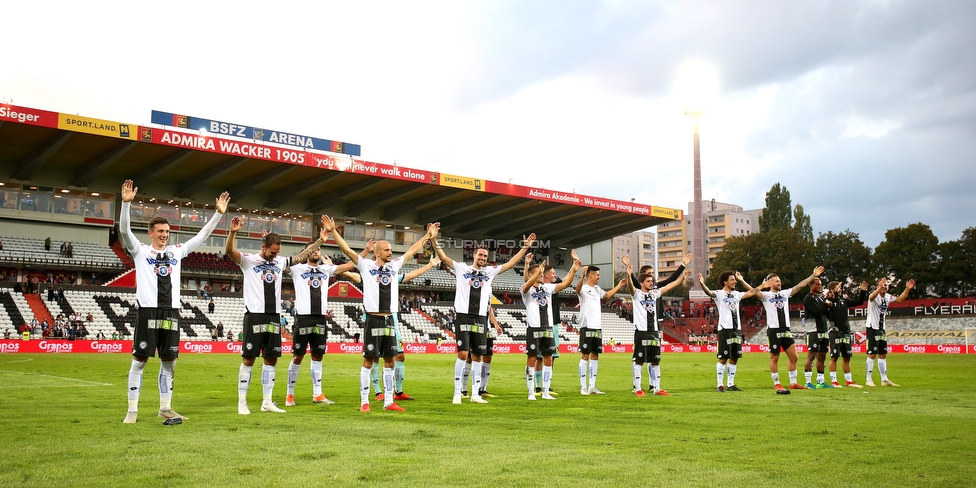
262,335
591,341
157,329
380,337
818,342
647,347
779,339
311,331
472,333
877,341
729,344
555,342
840,344
539,341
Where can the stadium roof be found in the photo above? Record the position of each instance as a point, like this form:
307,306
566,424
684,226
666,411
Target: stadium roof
40,147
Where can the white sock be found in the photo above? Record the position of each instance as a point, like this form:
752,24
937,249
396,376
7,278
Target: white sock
243,382
656,377
267,382
135,383
167,370
530,380
546,378
638,381
316,370
719,373
792,375
833,377
293,370
808,376
476,378
458,375
594,366
848,377
883,368
869,368
387,387
582,373
820,377
731,368
465,375
485,374
364,385
775,378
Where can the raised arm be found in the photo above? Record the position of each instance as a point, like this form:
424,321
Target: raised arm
525,267
434,229
674,284
677,273
568,280
434,261
613,291
527,243
368,249
129,239
816,272
329,225
579,285
201,236
533,279
303,256
701,281
750,291
904,294
631,288
236,224
417,246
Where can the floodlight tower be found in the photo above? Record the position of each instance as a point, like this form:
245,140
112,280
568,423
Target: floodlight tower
699,258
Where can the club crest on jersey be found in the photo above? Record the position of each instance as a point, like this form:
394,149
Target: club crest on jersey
268,276
730,302
314,279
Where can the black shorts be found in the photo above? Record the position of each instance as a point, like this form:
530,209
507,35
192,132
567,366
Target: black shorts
818,342
262,335
729,344
472,333
491,345
539,341
591,341
311,331
647,347
779,340
840,345
877,342
157,329
379,339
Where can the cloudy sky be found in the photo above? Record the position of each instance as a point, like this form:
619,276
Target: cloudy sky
864,110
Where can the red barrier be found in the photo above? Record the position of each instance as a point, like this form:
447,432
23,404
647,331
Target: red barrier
208,347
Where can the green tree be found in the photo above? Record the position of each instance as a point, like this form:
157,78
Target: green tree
778,213
801,222
844,256
779,251
956,269
909,252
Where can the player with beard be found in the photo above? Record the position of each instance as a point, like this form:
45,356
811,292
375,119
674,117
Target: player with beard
815,310
537,298
263,273
777,304
647,330
158,270
729,331
840,333
311,280
548,276
591,329
473,284
878,303
380,299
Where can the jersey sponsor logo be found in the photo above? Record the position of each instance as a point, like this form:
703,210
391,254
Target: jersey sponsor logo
778,300
47,346
648,303
268,271
314,278
541,296
383,276
477,279
97,346
162,263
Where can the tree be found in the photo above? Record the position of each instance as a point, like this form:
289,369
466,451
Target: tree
802,224
778,213
956,268
779,251
909,252
844,257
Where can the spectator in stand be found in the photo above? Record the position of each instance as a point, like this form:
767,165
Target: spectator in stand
211,306
47,244
220,329
230,335
213,334
69,252
199,291
6,333
115,335
100,336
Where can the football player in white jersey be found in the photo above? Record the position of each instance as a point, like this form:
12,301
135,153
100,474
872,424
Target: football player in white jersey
158,295
473,286
591,329
263,273
729,331
777,304
874,323
537,298
380,299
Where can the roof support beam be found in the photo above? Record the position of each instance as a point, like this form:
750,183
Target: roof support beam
321,202
280,197
100,164
29,165
159,168
262,179
190,186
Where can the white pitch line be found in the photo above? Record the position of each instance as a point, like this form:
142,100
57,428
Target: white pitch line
76,381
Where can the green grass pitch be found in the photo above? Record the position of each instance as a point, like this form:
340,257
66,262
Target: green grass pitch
61,425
